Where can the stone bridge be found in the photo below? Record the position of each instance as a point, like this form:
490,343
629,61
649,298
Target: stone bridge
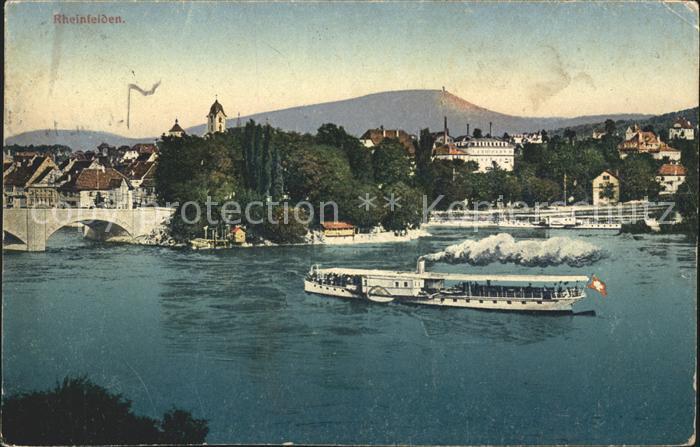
32,227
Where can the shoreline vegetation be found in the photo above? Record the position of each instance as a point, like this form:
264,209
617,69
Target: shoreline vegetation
79,412
281,170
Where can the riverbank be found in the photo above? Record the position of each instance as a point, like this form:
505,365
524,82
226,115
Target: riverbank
162,238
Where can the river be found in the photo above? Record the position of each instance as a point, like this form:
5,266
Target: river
232,337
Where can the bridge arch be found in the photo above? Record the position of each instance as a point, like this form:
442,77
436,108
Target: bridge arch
12,233
101,224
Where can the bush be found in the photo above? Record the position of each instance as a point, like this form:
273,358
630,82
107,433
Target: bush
78,411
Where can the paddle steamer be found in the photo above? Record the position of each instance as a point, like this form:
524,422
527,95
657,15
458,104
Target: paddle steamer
525,293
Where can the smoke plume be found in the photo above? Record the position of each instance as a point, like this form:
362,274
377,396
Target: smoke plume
504,249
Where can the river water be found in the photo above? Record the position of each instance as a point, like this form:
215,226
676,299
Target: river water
232,337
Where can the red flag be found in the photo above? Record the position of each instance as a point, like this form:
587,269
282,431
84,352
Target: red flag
598,285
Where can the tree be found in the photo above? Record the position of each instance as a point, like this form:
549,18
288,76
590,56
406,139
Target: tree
359,157
77,411
265,180
390,162
570,134
277,173
638,178
283,231
609,127
477,133
360,204
424,152
314,170
408,209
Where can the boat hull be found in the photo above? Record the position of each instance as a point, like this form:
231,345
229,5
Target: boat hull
484,303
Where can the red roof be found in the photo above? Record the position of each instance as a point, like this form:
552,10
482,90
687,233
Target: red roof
97,179
669,169
337,226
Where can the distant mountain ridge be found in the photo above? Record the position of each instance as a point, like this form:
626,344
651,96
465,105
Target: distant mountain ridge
410,110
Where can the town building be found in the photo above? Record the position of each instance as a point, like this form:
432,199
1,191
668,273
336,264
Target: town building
681,129
670,177
26,170
216,119
523,138
646,142
488,153
97,187
631,130
598,134
176,131
606,189
338,229
141,175
129,155
237,235
373,137
43,191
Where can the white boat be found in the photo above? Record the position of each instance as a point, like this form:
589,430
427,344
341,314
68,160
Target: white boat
562,223
525,293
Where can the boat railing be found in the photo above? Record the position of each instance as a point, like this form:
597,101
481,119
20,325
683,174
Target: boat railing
535,293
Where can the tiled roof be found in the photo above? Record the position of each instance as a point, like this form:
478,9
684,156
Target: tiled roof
669,169
377,135
139,169
98,180
23,172
337,226
18,176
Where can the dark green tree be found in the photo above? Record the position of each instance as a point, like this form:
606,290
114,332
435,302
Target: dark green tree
424,152
79,412
390,162
407,212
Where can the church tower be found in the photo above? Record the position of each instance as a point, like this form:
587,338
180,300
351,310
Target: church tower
216,120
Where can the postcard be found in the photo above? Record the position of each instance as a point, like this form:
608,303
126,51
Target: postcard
350,223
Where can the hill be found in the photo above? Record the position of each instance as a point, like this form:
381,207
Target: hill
660,123
410,110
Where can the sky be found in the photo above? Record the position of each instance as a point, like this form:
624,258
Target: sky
520,58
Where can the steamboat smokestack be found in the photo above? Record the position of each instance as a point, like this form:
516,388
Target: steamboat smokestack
468,129
490,129
420,267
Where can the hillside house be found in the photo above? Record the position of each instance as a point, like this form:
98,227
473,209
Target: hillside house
373,137
670,177
681,129
606,189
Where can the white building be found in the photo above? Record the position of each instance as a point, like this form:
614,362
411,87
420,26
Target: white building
606,189
670,177
681,129
216,119
631,130
598,134
488,153
522,138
